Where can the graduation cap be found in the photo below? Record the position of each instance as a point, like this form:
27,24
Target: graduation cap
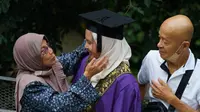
105,23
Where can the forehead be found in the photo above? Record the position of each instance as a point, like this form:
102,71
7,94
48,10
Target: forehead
88,35
171,32
44,42
166,32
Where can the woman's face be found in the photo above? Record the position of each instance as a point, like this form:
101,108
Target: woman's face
47,55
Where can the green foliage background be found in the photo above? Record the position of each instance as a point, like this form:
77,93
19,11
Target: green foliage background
54,18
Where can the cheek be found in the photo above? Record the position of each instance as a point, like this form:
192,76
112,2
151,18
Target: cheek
89,47
169,50
164,51
47,61
94,48
95,53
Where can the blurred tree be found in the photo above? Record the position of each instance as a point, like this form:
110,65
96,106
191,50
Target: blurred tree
49,17
142,35
54,19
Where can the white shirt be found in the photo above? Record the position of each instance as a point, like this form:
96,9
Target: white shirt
151,70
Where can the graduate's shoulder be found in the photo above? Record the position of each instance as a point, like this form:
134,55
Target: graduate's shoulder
126,79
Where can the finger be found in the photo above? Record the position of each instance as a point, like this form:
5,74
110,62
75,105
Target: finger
154,88
104,64
154,93
161,82
101,61
92,62
156,84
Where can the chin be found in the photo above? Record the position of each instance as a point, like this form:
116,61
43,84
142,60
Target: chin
53,62
163,56
50,64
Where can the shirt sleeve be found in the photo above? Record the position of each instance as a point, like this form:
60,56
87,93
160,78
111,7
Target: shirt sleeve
42,98
71,60
143,74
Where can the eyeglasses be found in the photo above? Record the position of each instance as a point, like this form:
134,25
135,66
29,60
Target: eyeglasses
45,50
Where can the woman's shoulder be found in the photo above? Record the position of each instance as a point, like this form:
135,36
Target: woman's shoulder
27,79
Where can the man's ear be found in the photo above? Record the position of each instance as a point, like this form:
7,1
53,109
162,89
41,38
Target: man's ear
186,44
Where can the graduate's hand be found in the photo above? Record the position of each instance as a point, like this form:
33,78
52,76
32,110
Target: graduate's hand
95,67
162,91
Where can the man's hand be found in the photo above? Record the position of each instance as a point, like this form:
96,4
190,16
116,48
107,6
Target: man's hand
95,67
162,91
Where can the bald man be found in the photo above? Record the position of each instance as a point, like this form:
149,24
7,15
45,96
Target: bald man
162,70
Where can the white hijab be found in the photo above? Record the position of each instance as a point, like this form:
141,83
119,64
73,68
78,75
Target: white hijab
116,50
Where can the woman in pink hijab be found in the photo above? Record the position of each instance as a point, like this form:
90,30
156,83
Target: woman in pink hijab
41,84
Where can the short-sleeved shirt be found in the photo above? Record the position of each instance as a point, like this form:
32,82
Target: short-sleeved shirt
153,68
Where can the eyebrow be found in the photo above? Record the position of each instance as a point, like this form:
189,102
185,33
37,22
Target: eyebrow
163,37
88,40
44,46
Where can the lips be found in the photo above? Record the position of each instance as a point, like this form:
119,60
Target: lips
161,52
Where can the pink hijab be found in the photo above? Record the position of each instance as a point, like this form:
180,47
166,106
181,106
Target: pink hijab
27,55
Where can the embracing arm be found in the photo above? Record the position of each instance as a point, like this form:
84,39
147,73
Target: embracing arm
71,60
40,97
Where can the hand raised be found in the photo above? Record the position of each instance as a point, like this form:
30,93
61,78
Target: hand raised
95,67
162,91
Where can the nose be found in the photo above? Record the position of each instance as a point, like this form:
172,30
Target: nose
86,45
50,51
159,45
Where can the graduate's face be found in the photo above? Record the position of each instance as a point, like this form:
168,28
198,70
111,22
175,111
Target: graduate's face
91,45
